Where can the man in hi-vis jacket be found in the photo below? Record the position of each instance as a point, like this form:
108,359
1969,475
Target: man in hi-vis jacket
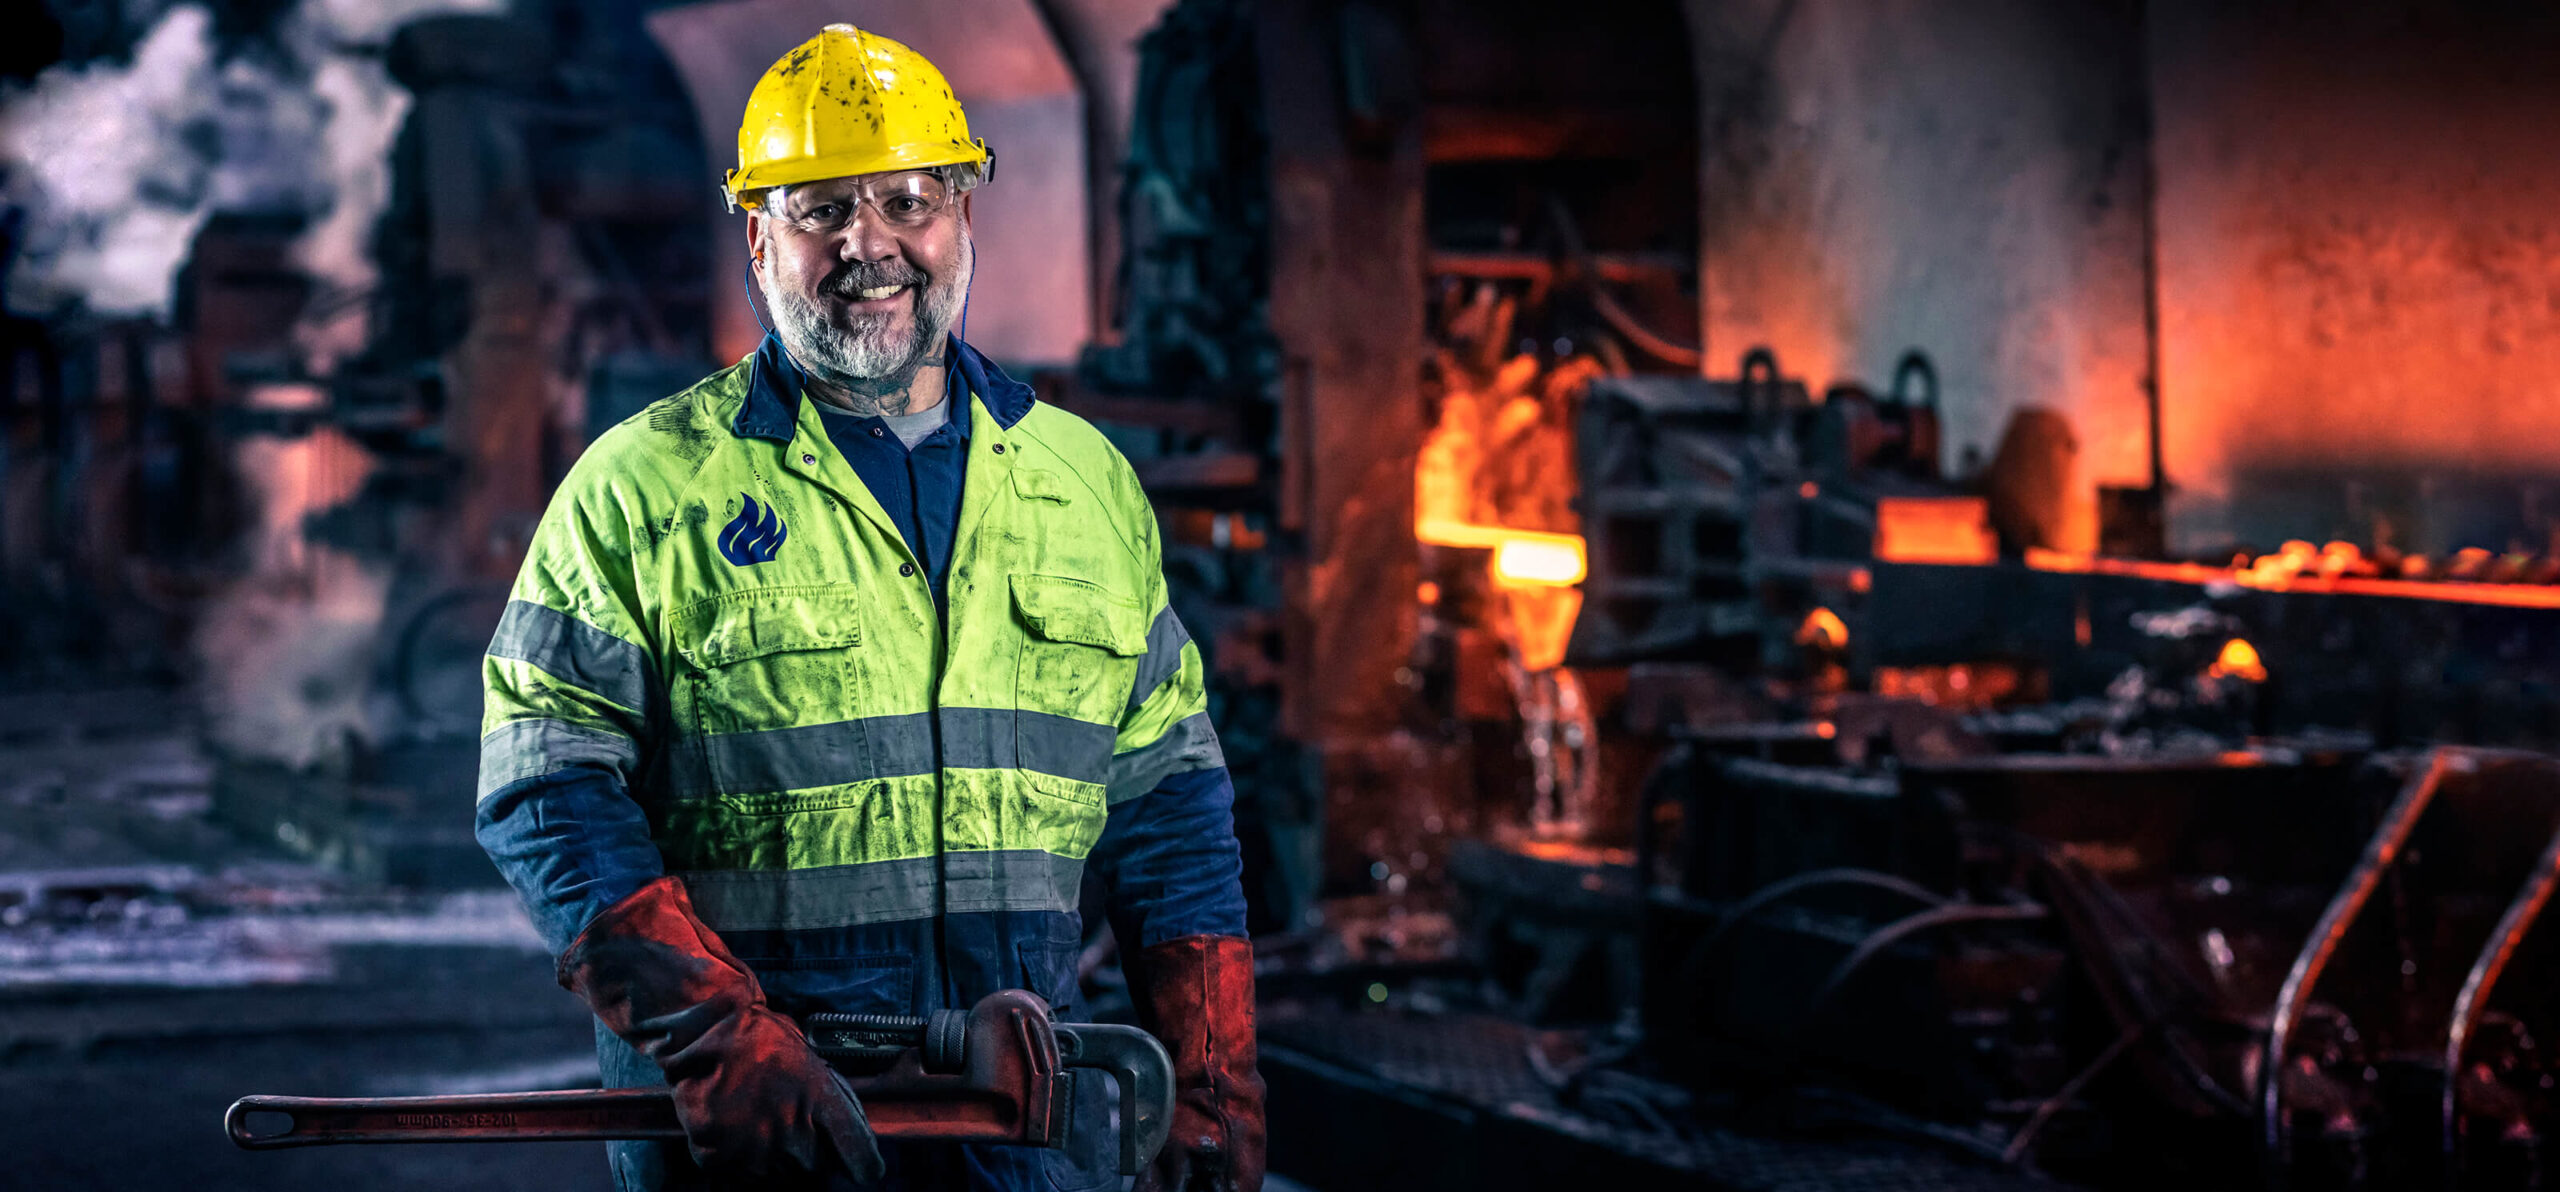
827,680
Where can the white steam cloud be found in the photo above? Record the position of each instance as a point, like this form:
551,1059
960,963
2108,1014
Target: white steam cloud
113,193
118,165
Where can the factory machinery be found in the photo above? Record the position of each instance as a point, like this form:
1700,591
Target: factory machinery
2126,873
1808,825
2109,874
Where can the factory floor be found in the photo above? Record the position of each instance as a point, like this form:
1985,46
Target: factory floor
177,932
157,963
1366,1097
127,1090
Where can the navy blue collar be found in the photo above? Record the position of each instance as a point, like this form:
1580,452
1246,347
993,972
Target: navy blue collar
772,406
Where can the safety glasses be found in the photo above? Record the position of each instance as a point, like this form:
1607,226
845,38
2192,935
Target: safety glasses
902,202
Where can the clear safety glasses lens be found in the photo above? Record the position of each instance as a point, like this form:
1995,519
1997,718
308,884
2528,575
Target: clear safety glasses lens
902,201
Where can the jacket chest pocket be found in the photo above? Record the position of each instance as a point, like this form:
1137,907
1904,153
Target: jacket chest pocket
771,658
1080,646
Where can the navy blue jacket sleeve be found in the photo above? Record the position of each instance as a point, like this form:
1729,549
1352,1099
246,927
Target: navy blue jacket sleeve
1168,861
572,843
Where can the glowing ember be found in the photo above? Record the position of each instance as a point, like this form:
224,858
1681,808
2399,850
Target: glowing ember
1968,686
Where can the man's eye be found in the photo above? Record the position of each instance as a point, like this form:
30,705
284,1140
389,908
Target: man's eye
906,205
823,213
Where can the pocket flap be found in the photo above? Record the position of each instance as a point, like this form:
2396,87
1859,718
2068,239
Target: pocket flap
736,626
1032,484
1074,610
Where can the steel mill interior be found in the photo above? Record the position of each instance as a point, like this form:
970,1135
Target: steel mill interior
1808,595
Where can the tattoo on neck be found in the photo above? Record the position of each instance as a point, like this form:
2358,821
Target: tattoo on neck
908,391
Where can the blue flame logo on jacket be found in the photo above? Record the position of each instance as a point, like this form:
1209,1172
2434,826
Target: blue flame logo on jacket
753,535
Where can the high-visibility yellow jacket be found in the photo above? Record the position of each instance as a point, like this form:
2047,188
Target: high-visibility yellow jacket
722,659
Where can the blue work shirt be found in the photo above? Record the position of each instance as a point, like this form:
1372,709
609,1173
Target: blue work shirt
919,487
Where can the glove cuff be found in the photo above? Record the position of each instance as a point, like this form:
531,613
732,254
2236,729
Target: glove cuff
752,1095
654,974
1197,981
1195,994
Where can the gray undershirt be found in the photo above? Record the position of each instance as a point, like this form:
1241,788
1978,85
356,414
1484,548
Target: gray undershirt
910,428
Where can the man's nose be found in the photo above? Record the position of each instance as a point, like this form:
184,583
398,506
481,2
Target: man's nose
867,238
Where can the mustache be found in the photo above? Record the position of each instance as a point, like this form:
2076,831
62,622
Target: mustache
853,277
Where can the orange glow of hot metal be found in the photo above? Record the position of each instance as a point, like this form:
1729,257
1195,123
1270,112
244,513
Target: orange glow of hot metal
1568,851
2342,558
1554,561
1495,473
1935,530
1541,621
2239,660
1966,686
2276,573
1823,629
1521,558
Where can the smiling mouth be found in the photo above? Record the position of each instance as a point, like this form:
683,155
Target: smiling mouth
875,298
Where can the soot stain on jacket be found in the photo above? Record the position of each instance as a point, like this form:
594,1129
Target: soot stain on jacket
679,420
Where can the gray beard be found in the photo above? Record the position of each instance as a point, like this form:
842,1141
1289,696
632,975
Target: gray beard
863,356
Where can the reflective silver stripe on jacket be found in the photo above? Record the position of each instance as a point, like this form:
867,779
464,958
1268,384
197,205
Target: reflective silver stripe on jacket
876,747
1191,744
574,652
884,891
1163,659
522,749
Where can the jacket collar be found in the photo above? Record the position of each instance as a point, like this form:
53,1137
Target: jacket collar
772,404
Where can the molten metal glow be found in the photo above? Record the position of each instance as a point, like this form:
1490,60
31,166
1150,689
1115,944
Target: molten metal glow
1528,562
1935,530
1823,629
2239,660
1500,459
1521,558
2271,574
1541,622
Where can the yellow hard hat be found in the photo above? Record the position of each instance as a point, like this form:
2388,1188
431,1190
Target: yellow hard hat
845,103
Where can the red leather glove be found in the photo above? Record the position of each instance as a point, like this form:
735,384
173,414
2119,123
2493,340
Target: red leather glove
1196,995
753,1096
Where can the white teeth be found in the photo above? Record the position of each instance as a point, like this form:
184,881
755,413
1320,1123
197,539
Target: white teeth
879,292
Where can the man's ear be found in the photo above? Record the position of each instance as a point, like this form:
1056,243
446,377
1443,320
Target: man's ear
965,199
755,236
